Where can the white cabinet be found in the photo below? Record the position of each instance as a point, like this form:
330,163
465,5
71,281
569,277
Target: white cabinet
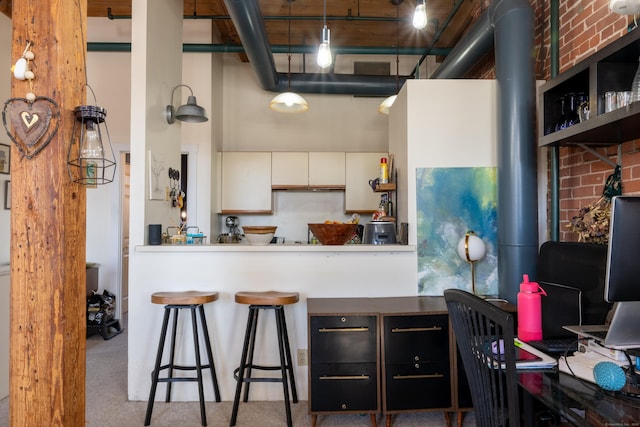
246,182
327,170
296,170
289,170
360,168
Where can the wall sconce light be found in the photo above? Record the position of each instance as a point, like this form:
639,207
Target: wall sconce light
90,159
190,112
472,249
420,15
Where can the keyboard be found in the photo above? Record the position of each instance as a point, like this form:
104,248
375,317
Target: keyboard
555,345
601,335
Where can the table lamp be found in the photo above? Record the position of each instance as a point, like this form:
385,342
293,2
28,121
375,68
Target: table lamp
472,249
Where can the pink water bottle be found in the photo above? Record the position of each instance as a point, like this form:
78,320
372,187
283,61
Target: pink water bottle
529,310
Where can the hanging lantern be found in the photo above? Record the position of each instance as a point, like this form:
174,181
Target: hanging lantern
90,159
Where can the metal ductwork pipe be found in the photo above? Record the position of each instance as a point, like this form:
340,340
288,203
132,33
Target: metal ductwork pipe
247,18
510,22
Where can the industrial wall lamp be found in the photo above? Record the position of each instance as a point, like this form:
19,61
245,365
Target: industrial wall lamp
190,112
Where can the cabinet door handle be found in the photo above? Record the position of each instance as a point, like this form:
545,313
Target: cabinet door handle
361,329
344,377
425,329
417,377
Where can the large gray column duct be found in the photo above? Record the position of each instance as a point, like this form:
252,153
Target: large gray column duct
510,22
517,154
247,18
468,51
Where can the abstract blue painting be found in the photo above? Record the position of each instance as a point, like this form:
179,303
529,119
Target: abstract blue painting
450,202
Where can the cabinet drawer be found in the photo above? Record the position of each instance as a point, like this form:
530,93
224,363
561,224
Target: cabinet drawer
344,387
416,338
417,386
343,339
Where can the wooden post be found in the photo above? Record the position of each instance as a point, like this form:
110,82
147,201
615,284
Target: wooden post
48,218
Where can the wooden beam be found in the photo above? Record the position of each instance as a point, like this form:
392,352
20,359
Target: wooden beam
48,219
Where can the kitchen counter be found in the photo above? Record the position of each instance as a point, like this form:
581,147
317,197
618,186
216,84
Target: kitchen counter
287,247
315,271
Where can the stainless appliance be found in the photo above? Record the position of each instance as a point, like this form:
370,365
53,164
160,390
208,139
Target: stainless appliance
379,233
233,236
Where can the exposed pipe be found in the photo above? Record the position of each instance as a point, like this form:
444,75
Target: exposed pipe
248,21
554,152
507,25
236,48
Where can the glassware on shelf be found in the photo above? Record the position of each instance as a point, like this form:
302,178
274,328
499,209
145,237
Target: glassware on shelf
561,123
635,86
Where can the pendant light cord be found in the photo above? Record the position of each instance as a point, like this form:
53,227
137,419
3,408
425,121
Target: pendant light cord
289,52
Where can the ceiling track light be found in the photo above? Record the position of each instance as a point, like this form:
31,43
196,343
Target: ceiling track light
420,15
324,51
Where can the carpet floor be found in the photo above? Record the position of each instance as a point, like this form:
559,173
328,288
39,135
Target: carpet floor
107,403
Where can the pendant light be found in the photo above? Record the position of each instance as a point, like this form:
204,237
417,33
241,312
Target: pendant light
289,102
385,105
324,51
420,15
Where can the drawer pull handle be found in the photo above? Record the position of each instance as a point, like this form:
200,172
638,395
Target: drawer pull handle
362,329
417,377
431,328
344,377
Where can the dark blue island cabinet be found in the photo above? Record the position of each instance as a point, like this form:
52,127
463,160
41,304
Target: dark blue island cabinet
383,356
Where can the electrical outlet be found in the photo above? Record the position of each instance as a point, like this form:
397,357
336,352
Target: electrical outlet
302,357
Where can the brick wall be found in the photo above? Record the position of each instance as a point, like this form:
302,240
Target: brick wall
585,26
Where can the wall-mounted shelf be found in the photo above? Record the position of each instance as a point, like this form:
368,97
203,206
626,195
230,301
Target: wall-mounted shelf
610,69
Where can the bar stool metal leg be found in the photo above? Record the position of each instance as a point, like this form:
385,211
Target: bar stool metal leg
283,363
211,365
196,345
172,350
239,373
156,370
252,345
285,335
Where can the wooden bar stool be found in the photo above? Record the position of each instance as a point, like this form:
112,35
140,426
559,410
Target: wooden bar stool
176,301
257,301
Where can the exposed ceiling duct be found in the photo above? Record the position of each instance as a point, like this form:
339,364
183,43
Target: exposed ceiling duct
248,20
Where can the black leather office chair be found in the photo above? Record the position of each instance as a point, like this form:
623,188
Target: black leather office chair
482,332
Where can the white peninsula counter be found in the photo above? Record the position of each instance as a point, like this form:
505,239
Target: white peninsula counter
312,270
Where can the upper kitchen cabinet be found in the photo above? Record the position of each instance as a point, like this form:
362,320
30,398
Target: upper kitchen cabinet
246,183
611,69
327,170
289,170
358,195
297,170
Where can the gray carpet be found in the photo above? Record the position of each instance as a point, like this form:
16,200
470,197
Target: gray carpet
107,403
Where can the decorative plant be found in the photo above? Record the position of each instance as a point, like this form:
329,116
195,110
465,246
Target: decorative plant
592,222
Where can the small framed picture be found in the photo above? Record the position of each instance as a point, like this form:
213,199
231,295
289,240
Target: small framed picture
7,194
5,153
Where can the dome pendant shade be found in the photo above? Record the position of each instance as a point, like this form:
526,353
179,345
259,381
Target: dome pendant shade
289,102
386,104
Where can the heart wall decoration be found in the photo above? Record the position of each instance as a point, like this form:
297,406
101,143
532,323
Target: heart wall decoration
34,123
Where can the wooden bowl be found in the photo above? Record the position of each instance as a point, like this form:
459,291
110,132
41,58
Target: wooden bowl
259,229
333,234
259,235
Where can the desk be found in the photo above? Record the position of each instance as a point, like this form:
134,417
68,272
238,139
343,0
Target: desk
581,403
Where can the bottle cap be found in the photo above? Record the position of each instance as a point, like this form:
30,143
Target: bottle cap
527,286
383,160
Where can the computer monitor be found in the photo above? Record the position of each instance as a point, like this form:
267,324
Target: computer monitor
622,280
